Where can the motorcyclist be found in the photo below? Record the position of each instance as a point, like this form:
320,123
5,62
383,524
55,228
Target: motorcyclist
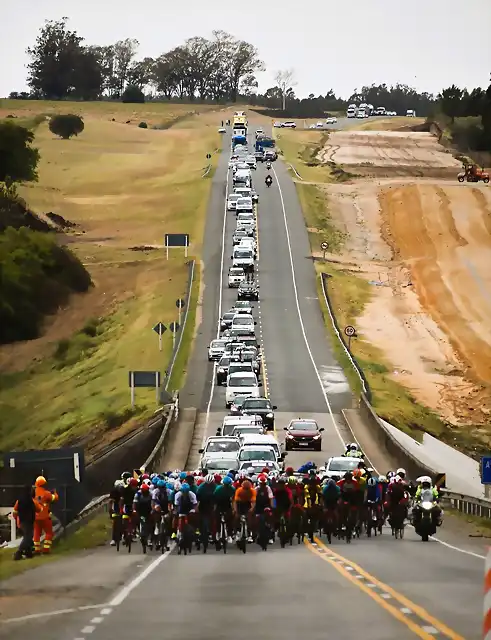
425,490
268,180
353,451
268,165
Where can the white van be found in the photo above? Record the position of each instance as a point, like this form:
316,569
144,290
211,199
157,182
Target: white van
241,384
266,440
410,113
242,176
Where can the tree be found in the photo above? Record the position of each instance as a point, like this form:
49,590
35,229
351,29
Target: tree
450,102
54,59
66,125
133,94
18,159
124,52
285,80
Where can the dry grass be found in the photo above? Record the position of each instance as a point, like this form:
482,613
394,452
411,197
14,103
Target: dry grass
390,124
300,149
123,186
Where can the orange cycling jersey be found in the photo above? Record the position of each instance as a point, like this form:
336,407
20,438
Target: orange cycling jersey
242,495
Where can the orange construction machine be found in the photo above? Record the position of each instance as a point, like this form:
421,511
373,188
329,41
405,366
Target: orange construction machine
472,173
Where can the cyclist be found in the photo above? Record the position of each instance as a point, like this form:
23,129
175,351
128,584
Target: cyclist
160,504
283,499
264,499
330,497
204,495
350,490
244,503
223,498
185,502
142,503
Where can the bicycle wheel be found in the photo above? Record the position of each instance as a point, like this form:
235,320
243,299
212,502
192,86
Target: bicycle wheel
129,540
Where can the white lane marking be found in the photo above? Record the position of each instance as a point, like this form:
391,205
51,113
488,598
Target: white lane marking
431,630
137,580
96,620
451,546
88,629
385,596
58,612
297,301
106,612
405,610
220,303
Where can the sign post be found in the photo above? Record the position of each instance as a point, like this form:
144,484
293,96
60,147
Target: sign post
144,379
324,247
486,474
174,327
350,332
160,329
180,304
173,240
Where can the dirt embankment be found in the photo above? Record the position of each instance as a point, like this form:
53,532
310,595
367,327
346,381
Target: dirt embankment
425,246
390,154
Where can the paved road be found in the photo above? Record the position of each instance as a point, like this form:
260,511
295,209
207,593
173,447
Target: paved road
379,588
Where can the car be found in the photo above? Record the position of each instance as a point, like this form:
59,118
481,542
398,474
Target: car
236,406
303,433
244,205
242,306
248,354
236,275
331,120
319,125
248,430
249,243
255,467
290,124
361,113
222,130
259,155
241,384
270,154
243,258
312,126
232,201
222,370
278,125
257,452
247,221
251,162
240,332
226,320
216,349
247,192
230,422
259,132
243,321
261,407
237,367
339,465
219,465
221,447
266,440
239,235
251,341
248,290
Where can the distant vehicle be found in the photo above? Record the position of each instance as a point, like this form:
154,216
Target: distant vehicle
290,125
410,113
236,276
331,120
241,384
262,407
338,466
278,125
303,434
270,154
216,348
222,130
379,111
361,113
351,112
248,291
232,201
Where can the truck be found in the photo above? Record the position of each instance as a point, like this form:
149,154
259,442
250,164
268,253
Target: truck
264,142
351,112
238,139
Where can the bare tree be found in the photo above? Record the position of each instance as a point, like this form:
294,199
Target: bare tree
285,81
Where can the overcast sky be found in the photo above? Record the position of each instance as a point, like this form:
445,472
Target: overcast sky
428,44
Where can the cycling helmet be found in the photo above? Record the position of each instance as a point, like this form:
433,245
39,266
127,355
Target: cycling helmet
312,473
177,486
182,475
133,482
273,474
246,485
210,479
254,478
390,474
250,471
125,476
372,482
185,487
401,472
353,446
382,479
227,480
169,486
119,484
292,480
262,479
145,487
199,481
145,476
217,478
281,480
425,480
331,482
289,471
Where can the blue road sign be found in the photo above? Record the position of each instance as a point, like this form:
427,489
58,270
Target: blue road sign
176,240
160,328
486,470
174,327
146,379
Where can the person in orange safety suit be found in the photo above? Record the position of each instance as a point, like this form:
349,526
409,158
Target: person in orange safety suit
43,522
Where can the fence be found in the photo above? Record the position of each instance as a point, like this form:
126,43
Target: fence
384,439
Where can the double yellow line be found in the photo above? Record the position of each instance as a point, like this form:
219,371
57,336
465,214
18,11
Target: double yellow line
410,614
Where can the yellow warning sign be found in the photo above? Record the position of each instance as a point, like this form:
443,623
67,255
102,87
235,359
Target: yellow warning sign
440,480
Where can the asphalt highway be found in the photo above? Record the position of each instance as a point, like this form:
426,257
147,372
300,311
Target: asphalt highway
379,588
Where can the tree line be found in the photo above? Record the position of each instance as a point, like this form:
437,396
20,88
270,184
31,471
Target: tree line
62,66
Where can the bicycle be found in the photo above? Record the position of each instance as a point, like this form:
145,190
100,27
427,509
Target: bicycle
144,533
117,529
222,538
127,527
184,535
263,532
330,523
204,532
242,541
283,532
161,532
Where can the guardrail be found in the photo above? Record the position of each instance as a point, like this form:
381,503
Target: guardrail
480,507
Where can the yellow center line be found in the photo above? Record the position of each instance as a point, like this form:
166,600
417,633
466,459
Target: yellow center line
419,611
385,605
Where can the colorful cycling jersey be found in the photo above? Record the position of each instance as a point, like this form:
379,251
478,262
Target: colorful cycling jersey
142,502
223,496
283,498
205,496
374,493
331,495
264,495
184,502
160,498
125,495
245,496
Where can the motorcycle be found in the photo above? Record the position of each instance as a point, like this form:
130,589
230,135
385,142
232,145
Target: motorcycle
269,181
424,516
268,165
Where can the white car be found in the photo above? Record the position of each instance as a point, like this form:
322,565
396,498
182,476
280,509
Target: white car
230,422
278,125
222,130
258,452
235,276
243,177
248,430
256,466
290,125
244,205
241,384
319,125
232,201
243,258
243,321
331,120
245,309
220,465
248,243
361,114
251,162
263,440
259,132
338,466
247,192
216,348
221,447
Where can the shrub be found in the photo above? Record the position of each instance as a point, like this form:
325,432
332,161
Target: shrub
143,125
133,94
66,125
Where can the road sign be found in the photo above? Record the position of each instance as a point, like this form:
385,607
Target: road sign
349,331
144,379
440,480
173,240
180,303
324,246
486,470
160,328
208,156
174,327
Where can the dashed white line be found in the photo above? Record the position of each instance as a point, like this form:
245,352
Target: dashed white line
88,629
405,610
385,596
431,630
96,620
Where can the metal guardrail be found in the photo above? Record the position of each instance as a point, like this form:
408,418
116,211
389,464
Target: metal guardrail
480,507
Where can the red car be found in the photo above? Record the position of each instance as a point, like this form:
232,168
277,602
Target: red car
303,433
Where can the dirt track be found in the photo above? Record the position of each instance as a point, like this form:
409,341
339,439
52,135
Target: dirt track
426,247
390,153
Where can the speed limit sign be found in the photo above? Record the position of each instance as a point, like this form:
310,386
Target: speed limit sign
349,331
324,246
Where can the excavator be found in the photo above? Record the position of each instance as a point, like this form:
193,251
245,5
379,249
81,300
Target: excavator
473,173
